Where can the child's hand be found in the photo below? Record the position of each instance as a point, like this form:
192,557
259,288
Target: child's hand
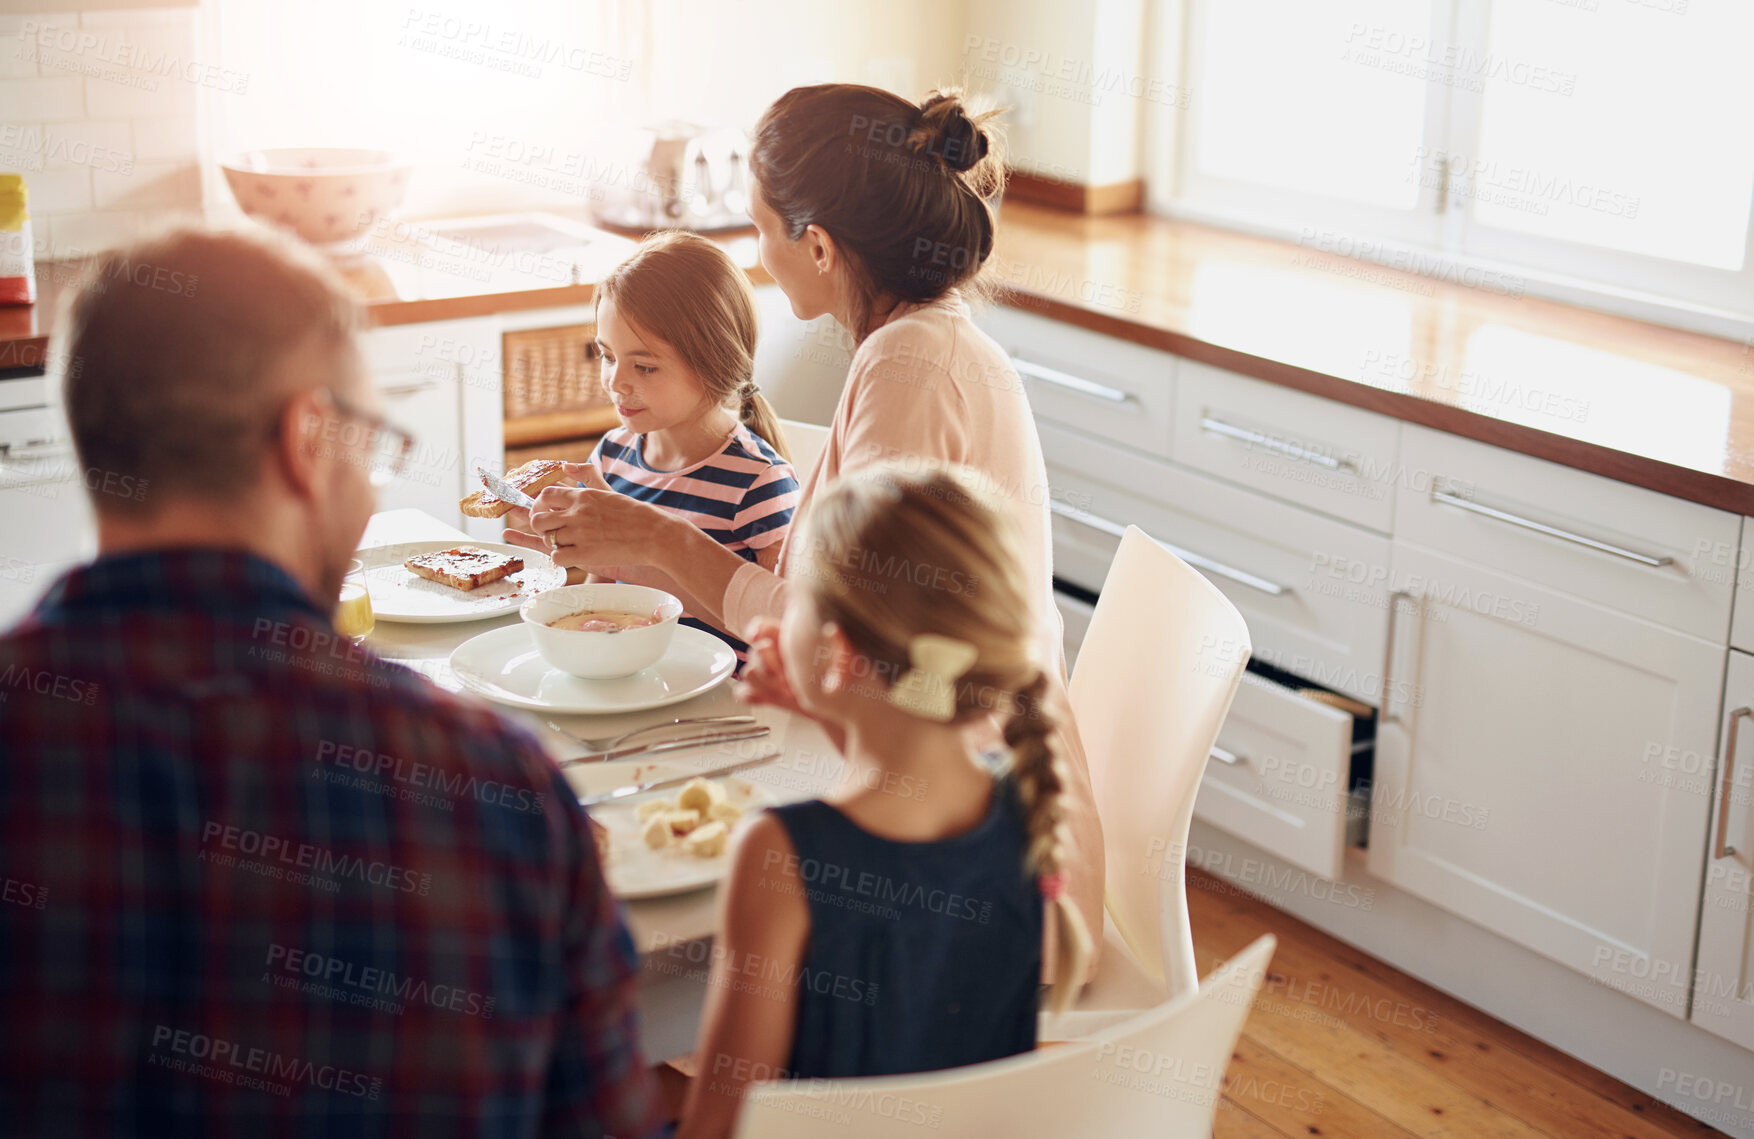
764,675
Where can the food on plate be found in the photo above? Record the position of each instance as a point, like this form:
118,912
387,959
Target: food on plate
464,567
698,820
700,795
531,478
604,621
600,835
681,822
707,841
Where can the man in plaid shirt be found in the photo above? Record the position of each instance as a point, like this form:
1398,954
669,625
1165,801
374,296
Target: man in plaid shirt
256,881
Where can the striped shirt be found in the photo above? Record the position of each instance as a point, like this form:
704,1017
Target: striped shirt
742,495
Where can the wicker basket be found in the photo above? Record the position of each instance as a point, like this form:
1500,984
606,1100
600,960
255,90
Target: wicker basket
551,385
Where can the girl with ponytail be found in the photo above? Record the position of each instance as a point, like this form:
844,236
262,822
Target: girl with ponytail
676,334
897,926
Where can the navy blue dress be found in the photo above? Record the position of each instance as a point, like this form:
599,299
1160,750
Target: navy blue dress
922,955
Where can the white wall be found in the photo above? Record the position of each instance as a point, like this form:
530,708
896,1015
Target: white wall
98,111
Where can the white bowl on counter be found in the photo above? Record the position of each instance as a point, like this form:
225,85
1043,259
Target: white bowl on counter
330,196
601,656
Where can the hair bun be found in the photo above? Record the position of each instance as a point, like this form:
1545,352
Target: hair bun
956,140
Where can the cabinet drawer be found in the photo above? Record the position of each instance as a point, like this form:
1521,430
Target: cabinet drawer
1301,448
1278,776
1106,387
1313,590
1630,549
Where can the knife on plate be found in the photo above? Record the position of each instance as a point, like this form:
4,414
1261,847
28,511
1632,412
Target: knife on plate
668,745
633,789
504,490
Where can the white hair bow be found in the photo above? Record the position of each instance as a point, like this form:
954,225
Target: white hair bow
928,688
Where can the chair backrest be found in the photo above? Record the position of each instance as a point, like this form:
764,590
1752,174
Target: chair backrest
805,441
1159,1073
1159,666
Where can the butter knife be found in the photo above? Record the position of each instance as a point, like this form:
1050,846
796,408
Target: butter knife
504,490
633,789
668,745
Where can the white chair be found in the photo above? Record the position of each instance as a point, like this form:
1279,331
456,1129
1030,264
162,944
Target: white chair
1158,1074
805,441
1158,668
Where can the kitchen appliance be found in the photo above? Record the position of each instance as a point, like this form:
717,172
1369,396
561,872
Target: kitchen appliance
680,176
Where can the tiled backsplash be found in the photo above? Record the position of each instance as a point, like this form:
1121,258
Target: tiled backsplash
98,111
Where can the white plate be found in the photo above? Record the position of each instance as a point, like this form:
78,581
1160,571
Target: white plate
504,665
400,595
634,869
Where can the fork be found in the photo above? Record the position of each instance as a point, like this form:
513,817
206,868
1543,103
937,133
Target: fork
610,743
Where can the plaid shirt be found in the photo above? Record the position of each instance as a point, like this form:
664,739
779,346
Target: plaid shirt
255,881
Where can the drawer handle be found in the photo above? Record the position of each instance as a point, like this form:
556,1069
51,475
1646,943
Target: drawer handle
1225,756
1722,848
1388,657
1116,530
408,389
1071,383
1472,507
1277,446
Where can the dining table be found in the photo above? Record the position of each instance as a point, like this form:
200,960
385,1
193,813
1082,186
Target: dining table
673,933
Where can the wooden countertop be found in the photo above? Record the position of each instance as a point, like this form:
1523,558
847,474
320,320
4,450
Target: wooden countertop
1655,407
1659,408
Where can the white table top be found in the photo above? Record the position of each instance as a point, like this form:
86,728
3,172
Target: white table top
808,765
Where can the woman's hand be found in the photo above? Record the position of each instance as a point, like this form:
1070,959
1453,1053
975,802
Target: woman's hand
764,674
589,526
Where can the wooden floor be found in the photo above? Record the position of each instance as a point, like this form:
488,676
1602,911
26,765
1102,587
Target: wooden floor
1340,1044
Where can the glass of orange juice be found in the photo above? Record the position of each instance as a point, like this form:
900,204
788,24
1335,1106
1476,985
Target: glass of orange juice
353,613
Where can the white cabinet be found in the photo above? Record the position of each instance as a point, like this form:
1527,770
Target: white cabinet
1621,546
46,525
442,383
1327,456
1312,589
1723,983
1110,389
1518,776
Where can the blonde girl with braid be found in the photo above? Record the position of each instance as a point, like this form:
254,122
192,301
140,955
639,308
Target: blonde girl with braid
896,926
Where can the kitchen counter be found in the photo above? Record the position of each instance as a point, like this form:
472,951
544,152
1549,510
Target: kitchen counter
1654,407
399,278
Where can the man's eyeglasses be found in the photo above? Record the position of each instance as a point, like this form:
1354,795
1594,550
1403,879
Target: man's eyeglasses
386,446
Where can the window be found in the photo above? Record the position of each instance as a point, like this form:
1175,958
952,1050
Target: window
1599,146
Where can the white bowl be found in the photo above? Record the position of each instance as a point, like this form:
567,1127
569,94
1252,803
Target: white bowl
600,656
330,196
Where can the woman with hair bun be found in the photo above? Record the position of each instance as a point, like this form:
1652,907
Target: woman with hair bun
878,212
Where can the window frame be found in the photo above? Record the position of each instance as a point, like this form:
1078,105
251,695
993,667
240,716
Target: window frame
1443,239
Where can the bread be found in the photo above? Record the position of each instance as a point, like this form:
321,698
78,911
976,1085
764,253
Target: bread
464,567
531,478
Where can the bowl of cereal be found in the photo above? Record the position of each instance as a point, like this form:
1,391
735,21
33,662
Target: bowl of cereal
597,632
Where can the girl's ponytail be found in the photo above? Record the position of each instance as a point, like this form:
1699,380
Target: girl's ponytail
757,414
1041,781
